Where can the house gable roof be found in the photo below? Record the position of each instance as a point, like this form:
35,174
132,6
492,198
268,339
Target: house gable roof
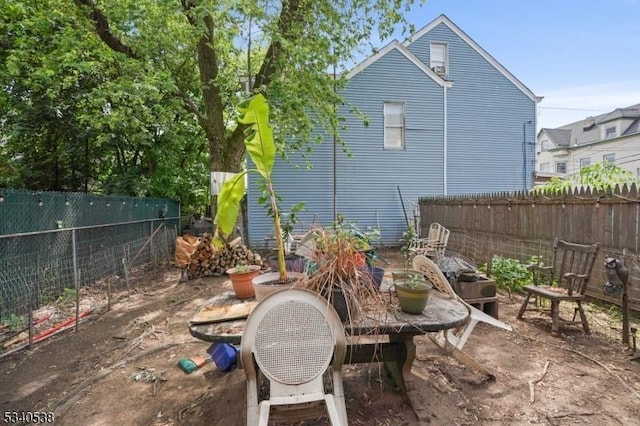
629,112
633,128
395,45
588,131
560,137
442,19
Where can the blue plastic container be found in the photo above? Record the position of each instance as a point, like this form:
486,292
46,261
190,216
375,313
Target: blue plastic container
375,275
224,355
378,274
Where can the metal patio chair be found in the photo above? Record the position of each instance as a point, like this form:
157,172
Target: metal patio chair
434,245
565,280
292,338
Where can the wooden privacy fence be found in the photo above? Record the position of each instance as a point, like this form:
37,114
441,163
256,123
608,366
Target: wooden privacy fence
519,225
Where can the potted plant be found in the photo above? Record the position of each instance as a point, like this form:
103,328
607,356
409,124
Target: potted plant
293,261
336,273
241,280
262,150
408,236
413,292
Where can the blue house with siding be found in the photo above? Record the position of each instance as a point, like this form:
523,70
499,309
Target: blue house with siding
445,118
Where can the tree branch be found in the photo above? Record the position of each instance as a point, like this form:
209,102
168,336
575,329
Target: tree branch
102,29
290,15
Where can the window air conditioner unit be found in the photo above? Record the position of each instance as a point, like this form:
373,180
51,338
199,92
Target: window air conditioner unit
440,70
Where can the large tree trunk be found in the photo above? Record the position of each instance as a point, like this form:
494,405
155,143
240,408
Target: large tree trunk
226,148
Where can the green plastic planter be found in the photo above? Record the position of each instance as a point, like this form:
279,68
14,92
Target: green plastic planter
413,296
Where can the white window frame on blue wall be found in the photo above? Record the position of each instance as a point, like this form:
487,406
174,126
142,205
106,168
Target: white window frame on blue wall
438,57
394,125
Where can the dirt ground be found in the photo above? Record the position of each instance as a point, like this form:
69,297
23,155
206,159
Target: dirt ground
89,377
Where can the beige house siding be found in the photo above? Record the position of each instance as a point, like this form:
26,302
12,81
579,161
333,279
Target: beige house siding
591,141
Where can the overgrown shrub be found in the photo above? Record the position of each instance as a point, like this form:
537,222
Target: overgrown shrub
510,274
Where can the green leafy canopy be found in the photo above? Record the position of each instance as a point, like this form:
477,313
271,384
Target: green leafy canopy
600,176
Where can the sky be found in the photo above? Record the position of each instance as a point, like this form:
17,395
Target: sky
582,56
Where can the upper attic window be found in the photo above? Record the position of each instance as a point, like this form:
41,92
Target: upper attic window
610,132
439,59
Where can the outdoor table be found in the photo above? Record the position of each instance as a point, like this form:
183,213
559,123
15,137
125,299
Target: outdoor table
398,351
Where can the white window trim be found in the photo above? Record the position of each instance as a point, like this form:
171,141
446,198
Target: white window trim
558,163
584,159
612,160
604,131
401,126
445,63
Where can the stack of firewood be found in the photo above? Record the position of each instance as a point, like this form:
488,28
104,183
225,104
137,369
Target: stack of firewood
208,260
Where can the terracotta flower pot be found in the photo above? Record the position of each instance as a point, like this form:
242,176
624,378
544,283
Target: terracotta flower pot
241,280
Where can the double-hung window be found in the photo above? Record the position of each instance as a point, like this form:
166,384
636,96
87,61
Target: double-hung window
438,60
394,129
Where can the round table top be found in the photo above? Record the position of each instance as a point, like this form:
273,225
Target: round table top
441,313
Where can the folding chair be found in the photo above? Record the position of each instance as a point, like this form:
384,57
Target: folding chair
565,280
291,338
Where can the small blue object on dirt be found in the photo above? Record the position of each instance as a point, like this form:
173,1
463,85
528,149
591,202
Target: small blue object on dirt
224,355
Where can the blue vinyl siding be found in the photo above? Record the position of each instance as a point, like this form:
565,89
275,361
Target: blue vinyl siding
368,179
489,138
486,117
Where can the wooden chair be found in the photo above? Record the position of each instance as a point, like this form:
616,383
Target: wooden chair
565,280
434,245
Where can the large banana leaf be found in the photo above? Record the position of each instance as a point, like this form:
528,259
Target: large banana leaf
258,135
229,203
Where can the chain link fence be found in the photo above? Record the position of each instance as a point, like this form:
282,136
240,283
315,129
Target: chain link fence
52,245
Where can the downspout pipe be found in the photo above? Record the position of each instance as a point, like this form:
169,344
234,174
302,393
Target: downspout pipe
445,142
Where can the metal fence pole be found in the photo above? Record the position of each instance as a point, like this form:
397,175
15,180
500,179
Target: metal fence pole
76,281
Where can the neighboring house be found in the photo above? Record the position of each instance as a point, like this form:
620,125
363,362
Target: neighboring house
613,137
444,118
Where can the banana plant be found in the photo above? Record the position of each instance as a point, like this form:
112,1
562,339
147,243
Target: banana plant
261,148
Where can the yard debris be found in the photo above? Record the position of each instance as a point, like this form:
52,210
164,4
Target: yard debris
532,383
144,375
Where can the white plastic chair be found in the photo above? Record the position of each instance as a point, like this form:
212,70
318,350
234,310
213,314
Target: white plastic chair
291,337
452,341
434,245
